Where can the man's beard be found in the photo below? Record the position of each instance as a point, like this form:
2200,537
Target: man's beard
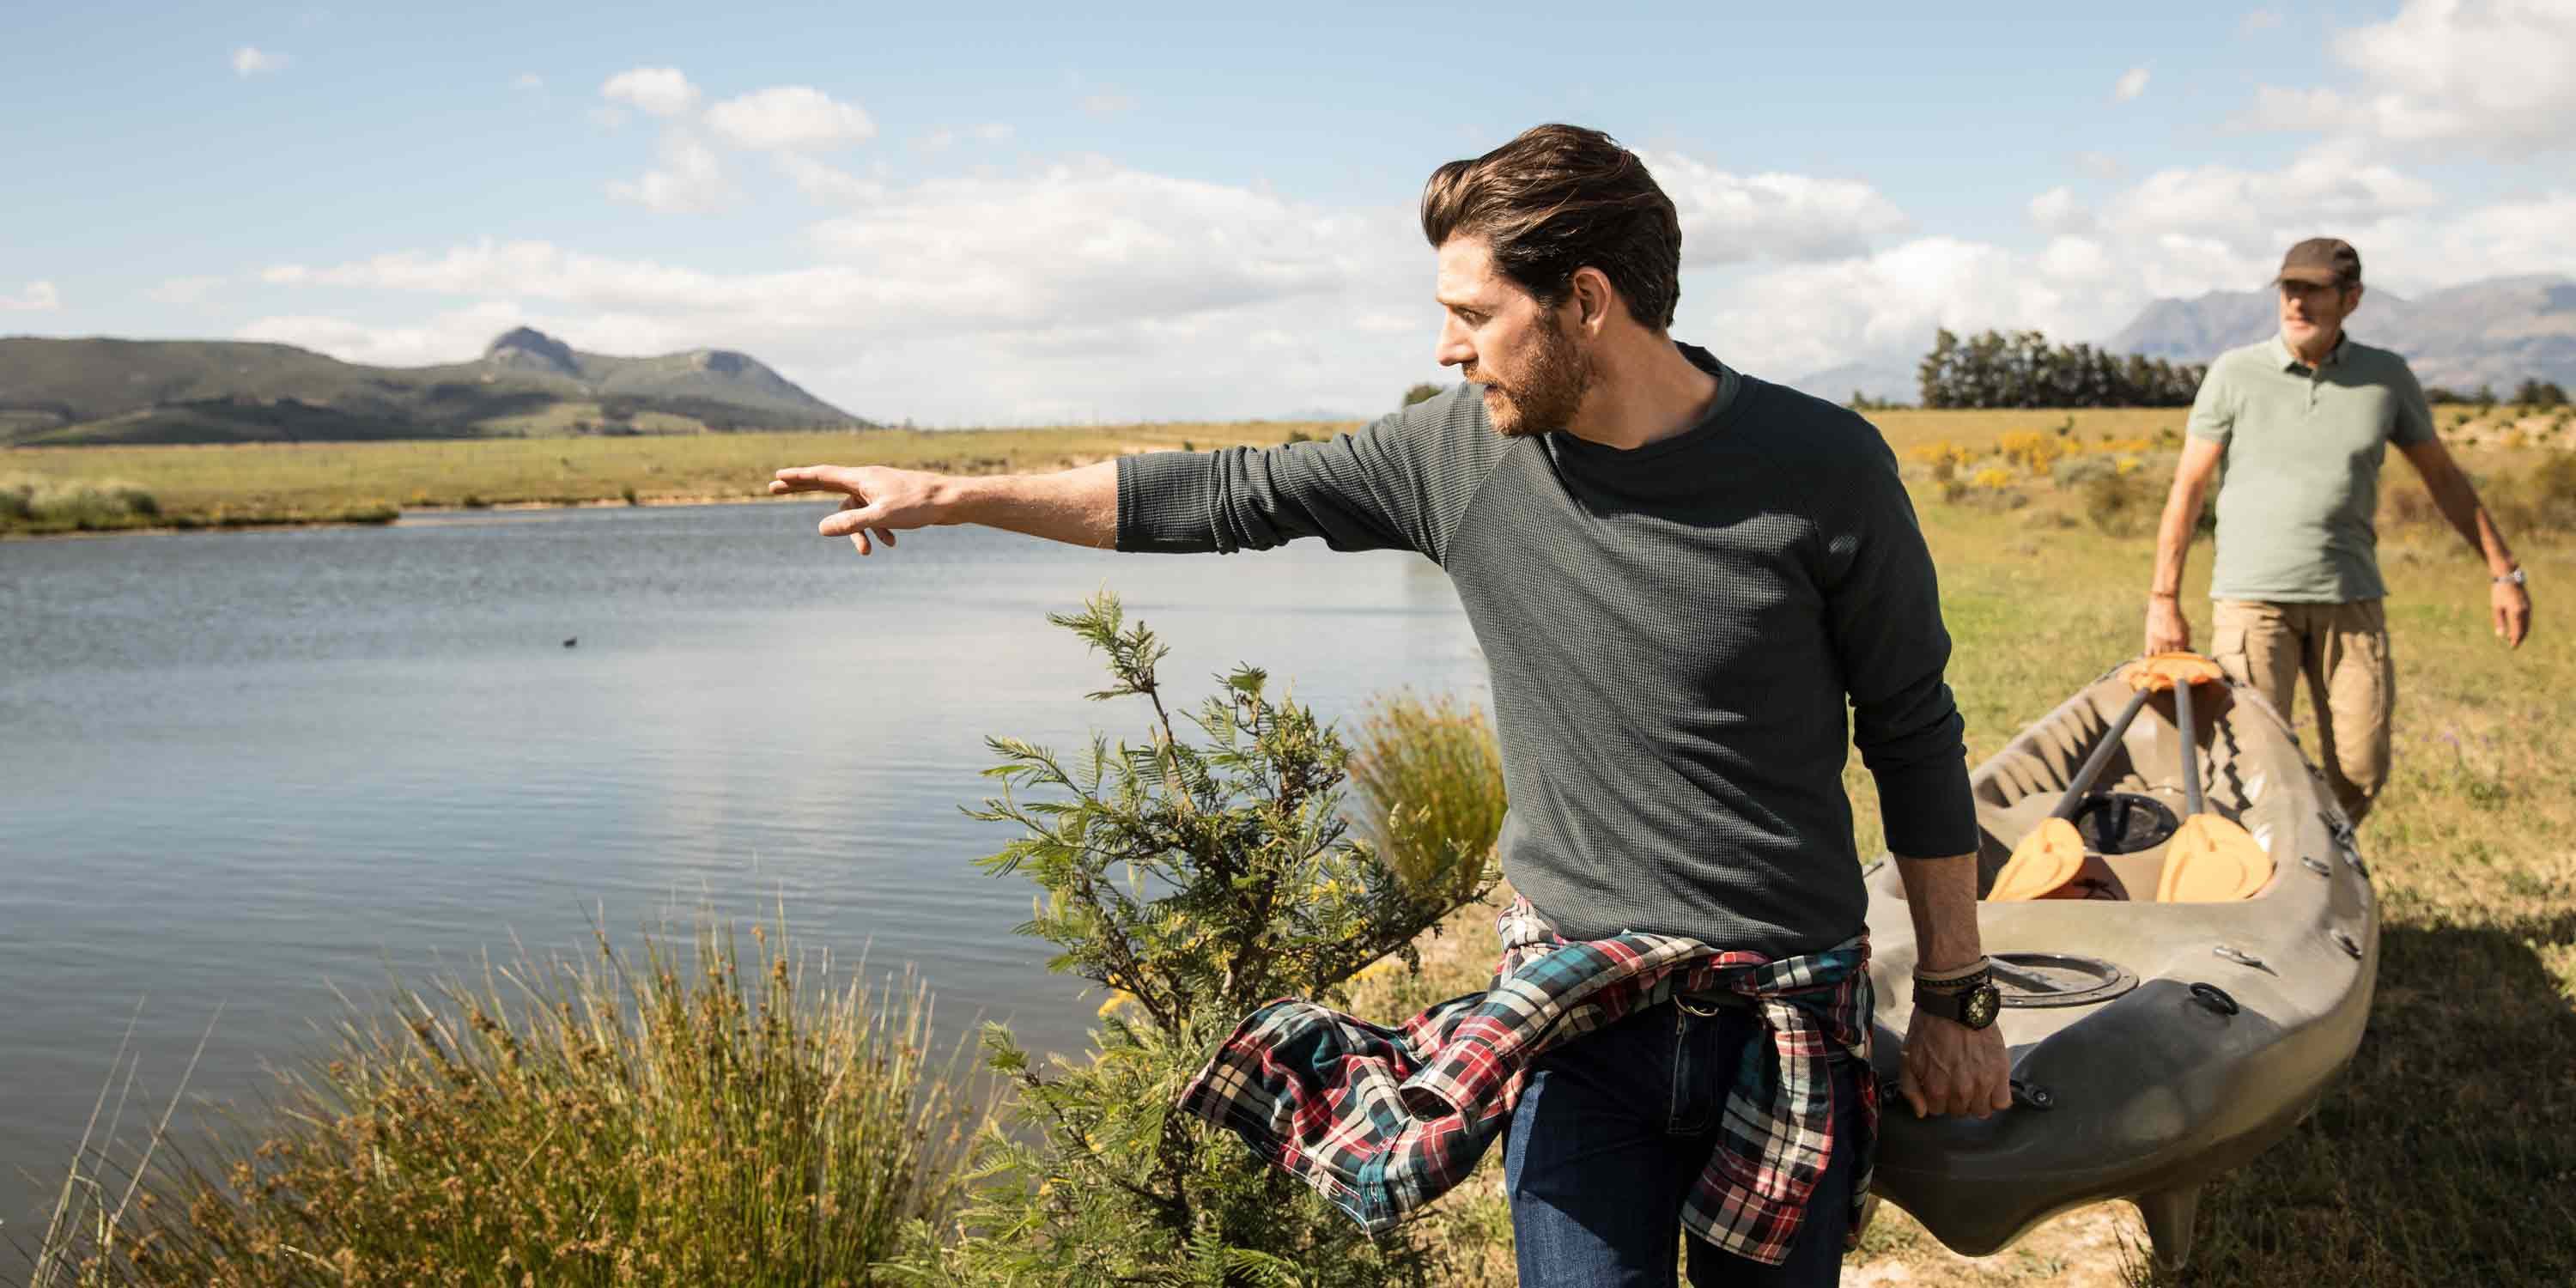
1546,397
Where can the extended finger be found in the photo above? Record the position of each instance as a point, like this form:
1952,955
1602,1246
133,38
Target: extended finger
809,478
848,522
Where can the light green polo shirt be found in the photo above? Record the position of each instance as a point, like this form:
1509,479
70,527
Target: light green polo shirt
2296,508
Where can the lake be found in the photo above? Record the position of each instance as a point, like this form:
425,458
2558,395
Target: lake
238,769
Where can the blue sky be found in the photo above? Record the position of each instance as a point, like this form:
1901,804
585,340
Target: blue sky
1205,211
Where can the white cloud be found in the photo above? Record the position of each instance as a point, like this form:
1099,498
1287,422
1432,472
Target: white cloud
2133,82
529,80
2259,20
39,297
943,138
2058,211
2487,73
1728,218
1068,290
2100,165
447,337
1087,288
661,91
249,60
2177,233
2327,187
790,116
184,290
1108,103
690,180
824,183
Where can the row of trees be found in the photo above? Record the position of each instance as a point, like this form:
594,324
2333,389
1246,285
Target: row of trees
2534,394
2022,369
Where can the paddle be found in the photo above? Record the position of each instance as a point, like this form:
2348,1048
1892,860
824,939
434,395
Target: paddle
2210,859
2053,852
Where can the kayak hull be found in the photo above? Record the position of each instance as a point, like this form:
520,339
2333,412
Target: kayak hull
2158,1043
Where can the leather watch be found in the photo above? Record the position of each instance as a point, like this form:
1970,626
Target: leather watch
1972,1003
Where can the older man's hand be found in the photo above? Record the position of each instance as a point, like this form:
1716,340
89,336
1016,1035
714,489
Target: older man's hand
2168,631
2511,605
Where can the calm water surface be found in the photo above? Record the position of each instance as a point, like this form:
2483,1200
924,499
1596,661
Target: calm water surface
238,769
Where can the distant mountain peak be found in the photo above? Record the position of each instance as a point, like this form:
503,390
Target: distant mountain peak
528,346
722,361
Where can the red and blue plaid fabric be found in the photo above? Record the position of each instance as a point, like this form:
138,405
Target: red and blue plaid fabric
1383,1121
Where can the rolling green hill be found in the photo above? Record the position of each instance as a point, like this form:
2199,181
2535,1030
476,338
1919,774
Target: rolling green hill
93,391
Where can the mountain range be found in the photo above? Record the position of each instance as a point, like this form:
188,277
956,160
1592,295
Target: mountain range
87,391
2497,332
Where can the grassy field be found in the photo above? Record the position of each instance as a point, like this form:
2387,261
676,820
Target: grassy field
2447,1155
244,485
233,485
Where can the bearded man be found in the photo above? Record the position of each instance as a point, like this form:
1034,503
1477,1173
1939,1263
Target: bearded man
1678,572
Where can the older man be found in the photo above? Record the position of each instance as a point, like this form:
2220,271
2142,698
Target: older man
2303,421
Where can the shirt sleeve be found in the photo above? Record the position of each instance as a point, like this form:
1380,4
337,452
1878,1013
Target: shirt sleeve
1385,487
1883,610
2213,409
2414,420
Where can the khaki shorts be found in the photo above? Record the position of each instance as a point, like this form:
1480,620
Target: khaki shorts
2343,650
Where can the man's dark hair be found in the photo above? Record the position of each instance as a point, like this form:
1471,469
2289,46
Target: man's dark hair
1559,198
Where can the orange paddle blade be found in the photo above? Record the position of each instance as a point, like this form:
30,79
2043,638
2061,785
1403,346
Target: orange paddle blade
2212,860
2162,671
2045,859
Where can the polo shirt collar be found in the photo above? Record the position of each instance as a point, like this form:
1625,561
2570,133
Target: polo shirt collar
2289,357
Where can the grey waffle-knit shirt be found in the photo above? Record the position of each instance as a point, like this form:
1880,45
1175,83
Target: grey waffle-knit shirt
1671,631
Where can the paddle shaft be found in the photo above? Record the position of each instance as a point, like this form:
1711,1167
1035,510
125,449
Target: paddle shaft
2190,749
2101,756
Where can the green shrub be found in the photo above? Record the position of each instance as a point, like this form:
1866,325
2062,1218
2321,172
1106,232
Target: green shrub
2075,471
1424,392
34,503
2125,505
1431,794
666,1121
1196,880
2539,502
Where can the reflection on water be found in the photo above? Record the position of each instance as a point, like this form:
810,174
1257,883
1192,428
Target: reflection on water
239,768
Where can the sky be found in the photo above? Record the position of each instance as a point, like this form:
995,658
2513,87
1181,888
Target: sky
1164,212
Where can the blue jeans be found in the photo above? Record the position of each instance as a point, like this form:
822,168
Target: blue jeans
1612,1131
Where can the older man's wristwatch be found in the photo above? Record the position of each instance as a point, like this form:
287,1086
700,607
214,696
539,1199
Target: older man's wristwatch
1969,1000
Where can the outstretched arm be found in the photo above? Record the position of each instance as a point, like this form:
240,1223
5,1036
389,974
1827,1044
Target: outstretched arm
2167,628
1076,506
2508,603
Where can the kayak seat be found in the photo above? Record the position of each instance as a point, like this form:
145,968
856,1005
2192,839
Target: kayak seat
2052,864
2204,866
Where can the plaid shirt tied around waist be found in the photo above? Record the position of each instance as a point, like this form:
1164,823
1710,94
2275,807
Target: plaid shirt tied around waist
1383,1121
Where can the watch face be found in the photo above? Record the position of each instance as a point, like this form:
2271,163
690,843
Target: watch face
1978,1008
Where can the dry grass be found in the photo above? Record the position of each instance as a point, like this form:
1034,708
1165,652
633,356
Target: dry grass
669,1120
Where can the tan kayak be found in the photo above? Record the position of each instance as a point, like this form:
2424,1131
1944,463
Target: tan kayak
2169,1015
